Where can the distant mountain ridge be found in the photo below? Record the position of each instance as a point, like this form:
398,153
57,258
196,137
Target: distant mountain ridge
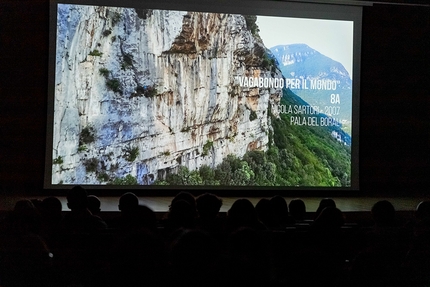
303,62
300,60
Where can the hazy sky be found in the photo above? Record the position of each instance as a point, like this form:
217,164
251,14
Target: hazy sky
331,38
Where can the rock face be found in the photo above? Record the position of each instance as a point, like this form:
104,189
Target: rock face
142,92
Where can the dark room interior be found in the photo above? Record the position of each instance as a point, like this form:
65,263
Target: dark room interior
394,166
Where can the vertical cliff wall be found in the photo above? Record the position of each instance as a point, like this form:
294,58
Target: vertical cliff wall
142,92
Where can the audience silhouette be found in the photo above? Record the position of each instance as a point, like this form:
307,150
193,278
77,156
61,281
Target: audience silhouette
80,219
197,245
128,204
242,214
325,202
297,210
280,211
208,206
94,204
265,213
25,258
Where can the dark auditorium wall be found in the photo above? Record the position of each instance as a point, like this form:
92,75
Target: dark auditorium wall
394,123
395,97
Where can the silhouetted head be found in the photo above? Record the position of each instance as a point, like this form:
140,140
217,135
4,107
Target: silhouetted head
383,213
264,211
181,214
330,218
25,217
77,198
242,213
185,195
280,209
188,197
23,205
94,204
146,218
297,209
325,202
51,208
128,201
423,210
208,205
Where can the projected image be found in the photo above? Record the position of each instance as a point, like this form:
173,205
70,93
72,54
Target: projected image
161,97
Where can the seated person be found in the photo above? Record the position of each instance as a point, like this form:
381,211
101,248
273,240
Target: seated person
208,206
80,219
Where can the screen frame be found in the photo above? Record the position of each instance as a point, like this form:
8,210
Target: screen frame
335,10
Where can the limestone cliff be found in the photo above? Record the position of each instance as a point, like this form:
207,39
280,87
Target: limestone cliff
141,92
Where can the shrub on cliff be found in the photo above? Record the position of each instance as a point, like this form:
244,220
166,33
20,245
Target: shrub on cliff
103,177
251,24
114,85
127,180
252,116
206,147
116,17
104,72
150,91
91,164
107,33
127,61
131,153
95,53
86,136
58,160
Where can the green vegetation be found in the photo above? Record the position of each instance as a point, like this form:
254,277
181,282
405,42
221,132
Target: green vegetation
140,90
107,33
252,116
103,177
268,62
127,61
161,182
206,147
58,160
91,164
116,17
165,153
127,180
182,177
131,153
82,148
208,175
185,129
86,136
95,53
147,91
251,24
150,91
114,85
104,72
320,159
